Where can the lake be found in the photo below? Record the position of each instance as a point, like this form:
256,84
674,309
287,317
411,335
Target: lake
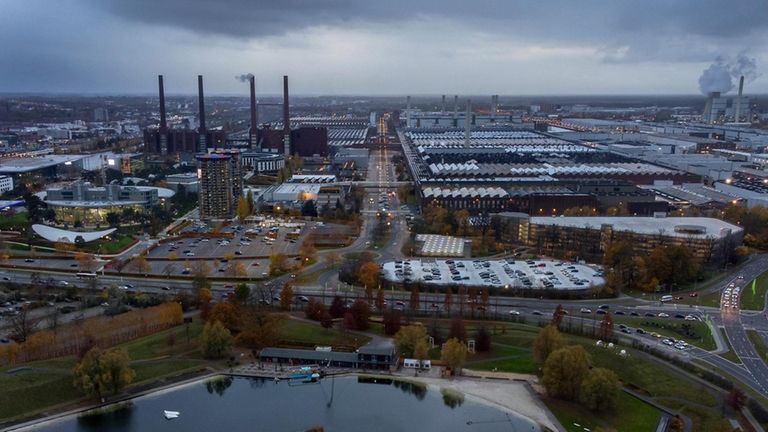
343,404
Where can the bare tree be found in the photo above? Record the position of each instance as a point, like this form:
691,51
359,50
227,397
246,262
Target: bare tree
23,324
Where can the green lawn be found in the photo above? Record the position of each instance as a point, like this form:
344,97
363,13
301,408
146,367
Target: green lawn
49,382
758,343
630,415
15,222
154,369
730,354
700,334
754,300
649,376
310,333
506,358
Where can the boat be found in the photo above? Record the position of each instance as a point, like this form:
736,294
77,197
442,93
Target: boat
169,415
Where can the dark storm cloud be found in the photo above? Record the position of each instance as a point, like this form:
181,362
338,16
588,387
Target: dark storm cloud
637,29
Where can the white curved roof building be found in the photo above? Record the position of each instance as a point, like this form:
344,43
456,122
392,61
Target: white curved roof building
66,236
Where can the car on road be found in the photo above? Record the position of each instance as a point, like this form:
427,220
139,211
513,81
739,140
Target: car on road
626,330
691,318
536,313
639,330
585,310
650,314
601,312
604,306
514,312
620,313
663,315
304,299
29,260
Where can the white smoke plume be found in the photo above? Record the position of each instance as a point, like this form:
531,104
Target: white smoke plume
244,77
721,75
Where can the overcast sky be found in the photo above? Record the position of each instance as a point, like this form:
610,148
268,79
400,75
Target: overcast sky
509,47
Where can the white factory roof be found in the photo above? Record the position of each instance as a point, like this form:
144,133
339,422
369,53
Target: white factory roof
696,227
439,245
27,164
313,178
60,235
464,192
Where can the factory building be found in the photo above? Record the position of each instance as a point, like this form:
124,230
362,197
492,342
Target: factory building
181,144
708,238
263,163
89,205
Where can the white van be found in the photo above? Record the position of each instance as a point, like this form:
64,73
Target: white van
667,298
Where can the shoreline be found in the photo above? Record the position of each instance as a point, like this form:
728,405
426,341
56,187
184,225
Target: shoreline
473,390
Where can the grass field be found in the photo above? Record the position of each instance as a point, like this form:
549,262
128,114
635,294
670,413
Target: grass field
729,355
754,301
672,327
314,334
758,343
15,222
631,415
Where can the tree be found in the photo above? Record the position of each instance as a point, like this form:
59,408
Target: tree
600,390
227,313
548,341
315,309
326,320
414,301
407,338
86,261
23,324
392,321
380,299
278,264
139,264
242,292
421,350
204,298
216,340
332,259
286,297
338,308
483,339
236,269
448,299
243,209
100,371
564,371
458,330
368,275
113,219
606,327
259,329
361,312
200,276
557,316
309,208
454,354
736,399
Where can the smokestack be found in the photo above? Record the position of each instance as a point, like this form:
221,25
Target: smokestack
254,115
163,123
468,123
407,111
455,110
442,107
737,115
494,103
202,144
286,119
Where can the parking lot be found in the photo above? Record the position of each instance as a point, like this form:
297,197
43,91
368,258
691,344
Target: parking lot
531,274
247,241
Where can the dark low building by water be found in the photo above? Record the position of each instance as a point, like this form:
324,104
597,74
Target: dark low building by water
370,356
